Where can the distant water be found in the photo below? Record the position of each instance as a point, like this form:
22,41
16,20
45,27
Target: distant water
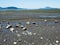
22,15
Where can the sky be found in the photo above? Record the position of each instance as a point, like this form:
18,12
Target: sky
30,4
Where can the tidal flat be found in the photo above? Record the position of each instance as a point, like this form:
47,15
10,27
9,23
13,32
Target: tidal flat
29,28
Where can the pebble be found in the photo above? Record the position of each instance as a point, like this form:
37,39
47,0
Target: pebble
53,27
36,25
33,23
16,31
11,29
57,41
33,43
8,26
4,40
41,38
45,20
29,33
27,22
17,25
24,33
14,43
24,28
34,33
18,35
19,40
21,26
56,21
50,44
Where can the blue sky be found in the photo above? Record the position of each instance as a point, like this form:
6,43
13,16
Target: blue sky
31,4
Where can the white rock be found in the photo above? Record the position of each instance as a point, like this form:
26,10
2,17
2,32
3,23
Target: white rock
34,33
45,20
11,29
41,37
8,26
24,33
24,28
4,40
33,43
14,43
17,25
19,40
18,35
56,20
24,41
21,26
28,22
57,41
29,33
16,31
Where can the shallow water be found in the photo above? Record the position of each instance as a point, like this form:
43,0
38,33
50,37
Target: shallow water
28,15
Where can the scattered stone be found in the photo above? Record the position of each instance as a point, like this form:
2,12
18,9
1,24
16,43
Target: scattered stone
45,20
36,25
24,41
34,33
19,40
29,33
11,29
8,26
27,22
33,43
50,44
17,25
24,28
56,21
21,26
16,31
18,35
41,38
4,40
53,26
14,43
33,23
57,41
24,33
56,37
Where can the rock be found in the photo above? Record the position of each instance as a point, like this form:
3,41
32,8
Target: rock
14,43
8,26
11,29
21,26
41,38
24,28
45,20
27,22
33,23
57,41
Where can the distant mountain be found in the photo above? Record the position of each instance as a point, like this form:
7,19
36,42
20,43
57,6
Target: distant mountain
0,7
11,8
49,8
16,8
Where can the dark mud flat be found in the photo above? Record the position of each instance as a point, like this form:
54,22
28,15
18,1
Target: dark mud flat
37,32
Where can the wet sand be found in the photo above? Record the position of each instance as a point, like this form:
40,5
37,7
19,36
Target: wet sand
38,32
